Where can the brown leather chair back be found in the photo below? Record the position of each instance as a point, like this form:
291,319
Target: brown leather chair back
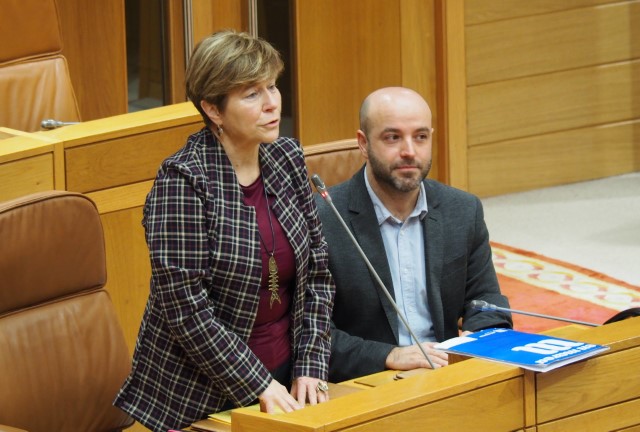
34,77
63,356
334,161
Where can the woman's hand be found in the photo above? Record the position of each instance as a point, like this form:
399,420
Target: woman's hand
307,388
276,396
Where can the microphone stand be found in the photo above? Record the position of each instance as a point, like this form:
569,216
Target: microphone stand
322,189
485,306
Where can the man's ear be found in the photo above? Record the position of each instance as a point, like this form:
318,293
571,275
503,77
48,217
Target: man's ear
362,143
212,112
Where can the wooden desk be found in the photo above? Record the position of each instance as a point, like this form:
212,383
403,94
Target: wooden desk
28,163
488,394
600,394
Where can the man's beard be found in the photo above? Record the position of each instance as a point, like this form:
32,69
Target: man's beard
385,175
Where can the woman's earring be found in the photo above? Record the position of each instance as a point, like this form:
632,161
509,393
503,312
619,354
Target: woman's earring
220,131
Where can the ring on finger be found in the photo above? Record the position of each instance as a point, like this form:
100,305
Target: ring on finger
322,387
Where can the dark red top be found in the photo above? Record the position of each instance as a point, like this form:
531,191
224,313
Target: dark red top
269,338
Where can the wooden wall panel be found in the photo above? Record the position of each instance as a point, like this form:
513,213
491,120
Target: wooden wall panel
210,16
624,417
480,11
545,80
417,45
123,149
28,163
150,50
121,197
128,268
176,52
452,92
552,159
546,103
94,44
135,123
344,51
418,56
548,43
504,397
26,176
555,390
135,158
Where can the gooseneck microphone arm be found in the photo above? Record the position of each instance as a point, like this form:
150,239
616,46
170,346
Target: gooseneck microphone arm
324,193
484,306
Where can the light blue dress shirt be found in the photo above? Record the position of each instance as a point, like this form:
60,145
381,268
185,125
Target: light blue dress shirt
404,246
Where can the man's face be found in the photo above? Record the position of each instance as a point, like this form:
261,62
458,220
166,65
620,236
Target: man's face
398,143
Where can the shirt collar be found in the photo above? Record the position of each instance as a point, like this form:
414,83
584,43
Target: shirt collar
383,214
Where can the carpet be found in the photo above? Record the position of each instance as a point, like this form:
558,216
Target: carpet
535,283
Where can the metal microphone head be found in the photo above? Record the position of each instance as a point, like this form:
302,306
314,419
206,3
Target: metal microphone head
49,124
322,189
53,124
482,305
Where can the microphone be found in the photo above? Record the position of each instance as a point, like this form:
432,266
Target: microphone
324,193
483,306
53,124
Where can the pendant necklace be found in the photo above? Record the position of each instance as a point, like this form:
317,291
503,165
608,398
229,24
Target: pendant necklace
273,266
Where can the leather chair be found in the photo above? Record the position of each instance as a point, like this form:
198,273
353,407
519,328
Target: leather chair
63,355
334,161
34,77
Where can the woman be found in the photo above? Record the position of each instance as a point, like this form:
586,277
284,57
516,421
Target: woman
241,297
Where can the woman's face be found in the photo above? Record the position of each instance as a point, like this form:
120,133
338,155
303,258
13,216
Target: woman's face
251,115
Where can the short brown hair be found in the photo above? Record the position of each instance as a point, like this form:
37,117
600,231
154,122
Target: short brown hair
225,61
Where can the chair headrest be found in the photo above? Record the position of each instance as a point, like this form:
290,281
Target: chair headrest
52,247
37,24
36,90
334,161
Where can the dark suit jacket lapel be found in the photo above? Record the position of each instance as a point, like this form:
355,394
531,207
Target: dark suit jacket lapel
362,220
433,226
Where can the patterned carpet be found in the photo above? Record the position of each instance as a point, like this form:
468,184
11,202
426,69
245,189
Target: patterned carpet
534,283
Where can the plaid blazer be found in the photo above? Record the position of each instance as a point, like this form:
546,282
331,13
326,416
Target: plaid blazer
191,355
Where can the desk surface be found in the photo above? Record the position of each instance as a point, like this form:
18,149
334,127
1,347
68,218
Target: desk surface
504,397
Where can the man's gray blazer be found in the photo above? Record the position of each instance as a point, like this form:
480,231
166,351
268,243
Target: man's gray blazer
459,269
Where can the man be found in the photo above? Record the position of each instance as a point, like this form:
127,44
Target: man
427,241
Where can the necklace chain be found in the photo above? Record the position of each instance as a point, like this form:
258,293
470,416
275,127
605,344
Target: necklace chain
273,265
